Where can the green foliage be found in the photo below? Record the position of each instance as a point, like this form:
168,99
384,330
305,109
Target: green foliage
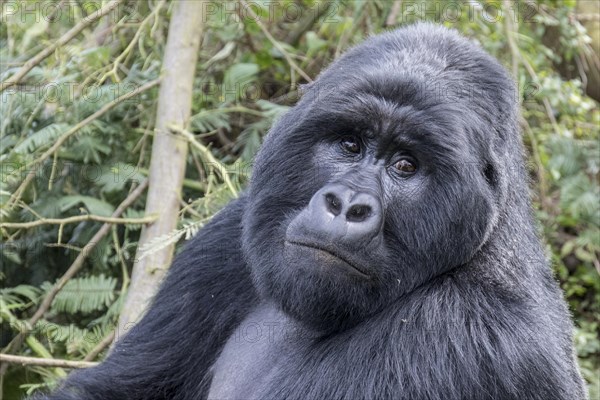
243,83
84,295
15,299
91,204
43,138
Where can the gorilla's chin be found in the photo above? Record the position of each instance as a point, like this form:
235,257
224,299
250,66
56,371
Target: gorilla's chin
319,288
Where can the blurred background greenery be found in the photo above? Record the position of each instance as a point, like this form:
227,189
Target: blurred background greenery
70,147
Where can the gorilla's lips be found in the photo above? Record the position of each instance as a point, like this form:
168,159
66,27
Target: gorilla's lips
339,259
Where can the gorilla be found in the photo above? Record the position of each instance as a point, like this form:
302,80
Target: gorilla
384,249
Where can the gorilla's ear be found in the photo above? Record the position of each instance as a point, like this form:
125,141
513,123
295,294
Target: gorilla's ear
490,174
496,177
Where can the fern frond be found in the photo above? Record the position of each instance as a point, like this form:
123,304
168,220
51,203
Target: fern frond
20,295
210,120
84,295
42,138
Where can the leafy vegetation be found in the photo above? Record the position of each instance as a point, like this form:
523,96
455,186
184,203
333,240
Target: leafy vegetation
55,167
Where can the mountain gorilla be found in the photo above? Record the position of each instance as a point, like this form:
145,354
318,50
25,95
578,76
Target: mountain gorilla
384,249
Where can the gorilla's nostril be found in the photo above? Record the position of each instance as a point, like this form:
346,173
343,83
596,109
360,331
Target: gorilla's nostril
358,213
334,204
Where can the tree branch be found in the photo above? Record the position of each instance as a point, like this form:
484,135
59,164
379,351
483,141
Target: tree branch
393,15
207,156
78,218
45,362
107,107
275,43
306,24
64,39
169,154
100,346
73,269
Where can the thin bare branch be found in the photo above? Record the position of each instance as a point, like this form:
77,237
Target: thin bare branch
73,269
45,362
104,343
275,43
59,142
208,157
78,218
64,39
306,24
392,17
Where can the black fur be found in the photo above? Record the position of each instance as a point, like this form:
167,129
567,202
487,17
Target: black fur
455,298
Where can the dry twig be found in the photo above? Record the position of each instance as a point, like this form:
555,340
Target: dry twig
275,43
64,39
45,362
78,218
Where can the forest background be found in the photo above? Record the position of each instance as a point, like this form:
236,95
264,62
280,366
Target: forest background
86,114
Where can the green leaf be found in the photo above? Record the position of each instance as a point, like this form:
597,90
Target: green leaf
95,58
42,138
237,80
20,295
89,148
583,255
115,178
93,205
314,42
567,248
93,293
210,120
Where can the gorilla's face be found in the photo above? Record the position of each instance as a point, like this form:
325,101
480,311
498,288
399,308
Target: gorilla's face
358,197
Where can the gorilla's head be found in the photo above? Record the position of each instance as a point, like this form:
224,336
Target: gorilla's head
393,169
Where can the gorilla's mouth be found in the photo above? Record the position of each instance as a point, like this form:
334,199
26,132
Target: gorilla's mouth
352,268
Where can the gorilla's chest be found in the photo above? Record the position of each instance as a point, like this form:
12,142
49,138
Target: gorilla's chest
261,349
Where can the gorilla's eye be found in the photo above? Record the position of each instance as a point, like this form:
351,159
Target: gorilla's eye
405,166
350,145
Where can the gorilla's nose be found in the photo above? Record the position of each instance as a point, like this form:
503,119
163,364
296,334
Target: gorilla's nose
346,213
